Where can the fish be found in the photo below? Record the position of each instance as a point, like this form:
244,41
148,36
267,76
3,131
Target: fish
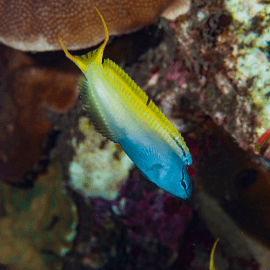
123,113
212,266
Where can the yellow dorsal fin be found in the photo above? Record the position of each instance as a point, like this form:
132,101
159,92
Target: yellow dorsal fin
94,56
148,108
212,267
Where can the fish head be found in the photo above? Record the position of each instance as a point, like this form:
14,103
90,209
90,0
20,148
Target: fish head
174,179
180,182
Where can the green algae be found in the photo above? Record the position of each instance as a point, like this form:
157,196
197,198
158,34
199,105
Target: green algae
38,225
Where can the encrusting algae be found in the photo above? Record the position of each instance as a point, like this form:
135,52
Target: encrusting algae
39,224
100,167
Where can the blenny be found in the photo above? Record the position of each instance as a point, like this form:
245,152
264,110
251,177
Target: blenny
123,113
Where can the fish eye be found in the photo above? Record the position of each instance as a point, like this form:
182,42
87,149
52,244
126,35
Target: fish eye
183,184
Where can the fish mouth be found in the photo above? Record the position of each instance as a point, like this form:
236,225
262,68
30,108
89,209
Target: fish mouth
188,191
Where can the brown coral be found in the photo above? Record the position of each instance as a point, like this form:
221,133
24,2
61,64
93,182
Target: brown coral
176,8
26,91
35,25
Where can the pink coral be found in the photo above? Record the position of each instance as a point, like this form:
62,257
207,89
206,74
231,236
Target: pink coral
175,74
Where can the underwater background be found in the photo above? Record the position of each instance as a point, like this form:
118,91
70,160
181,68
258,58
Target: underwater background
72,199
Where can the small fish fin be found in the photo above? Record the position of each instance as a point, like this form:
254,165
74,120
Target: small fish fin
212,267
152,164
150,158
94,112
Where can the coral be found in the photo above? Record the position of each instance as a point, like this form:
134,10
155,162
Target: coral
35,26
98,242
174,74
39,224
251,26
155,215
99,167
27,91
176,8
133,228
222,66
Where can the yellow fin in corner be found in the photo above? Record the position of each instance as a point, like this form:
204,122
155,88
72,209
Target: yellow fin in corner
212,267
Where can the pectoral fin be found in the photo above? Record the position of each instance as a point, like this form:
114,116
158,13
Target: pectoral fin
150,158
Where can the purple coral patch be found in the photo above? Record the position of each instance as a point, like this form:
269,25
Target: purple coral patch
149,214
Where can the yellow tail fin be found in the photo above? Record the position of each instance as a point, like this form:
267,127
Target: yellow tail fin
94,56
